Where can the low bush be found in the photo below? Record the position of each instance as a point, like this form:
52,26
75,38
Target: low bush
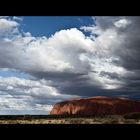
135,115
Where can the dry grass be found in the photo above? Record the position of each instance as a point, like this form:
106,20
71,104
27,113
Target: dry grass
94,120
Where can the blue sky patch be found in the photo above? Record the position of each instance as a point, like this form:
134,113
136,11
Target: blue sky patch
48,25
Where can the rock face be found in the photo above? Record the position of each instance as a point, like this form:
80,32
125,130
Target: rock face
96,106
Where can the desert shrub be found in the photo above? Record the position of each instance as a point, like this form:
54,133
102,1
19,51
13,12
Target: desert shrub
110,121
135,115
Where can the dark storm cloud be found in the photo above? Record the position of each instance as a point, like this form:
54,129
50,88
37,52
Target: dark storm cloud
57,75
125,47
70,83
129,49
130,56
110,75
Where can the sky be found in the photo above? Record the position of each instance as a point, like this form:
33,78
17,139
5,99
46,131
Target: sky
48,59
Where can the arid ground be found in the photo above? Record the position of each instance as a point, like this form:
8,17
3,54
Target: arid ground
42,119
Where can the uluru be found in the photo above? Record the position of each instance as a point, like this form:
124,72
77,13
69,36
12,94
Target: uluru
98,105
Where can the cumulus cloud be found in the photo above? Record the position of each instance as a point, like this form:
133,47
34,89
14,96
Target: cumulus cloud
70,64
52,53
7,26
22,94
18,18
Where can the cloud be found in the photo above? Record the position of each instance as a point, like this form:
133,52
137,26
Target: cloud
122,23
7,25
20,94
51,52
67,58
118,42
18,18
